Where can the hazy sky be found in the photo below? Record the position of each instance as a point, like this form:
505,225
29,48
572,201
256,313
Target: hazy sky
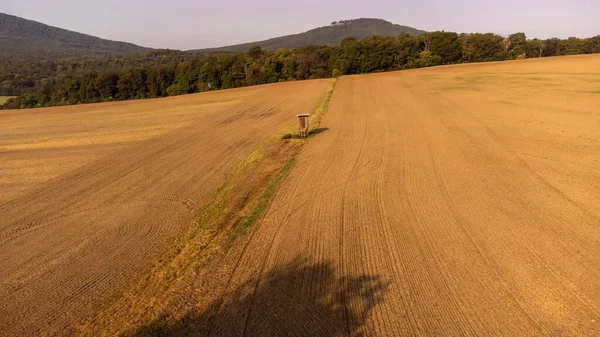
190,24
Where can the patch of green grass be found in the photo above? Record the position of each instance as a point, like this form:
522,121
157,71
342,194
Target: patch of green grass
323,107
263,201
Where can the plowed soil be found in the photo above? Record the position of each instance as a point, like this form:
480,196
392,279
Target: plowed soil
91,195
449,201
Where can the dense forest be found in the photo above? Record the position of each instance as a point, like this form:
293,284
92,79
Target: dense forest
169,73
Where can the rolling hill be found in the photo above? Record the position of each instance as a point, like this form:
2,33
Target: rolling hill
328,35
26,39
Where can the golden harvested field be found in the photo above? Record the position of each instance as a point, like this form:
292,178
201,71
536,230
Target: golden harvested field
91,195
453,201
450,201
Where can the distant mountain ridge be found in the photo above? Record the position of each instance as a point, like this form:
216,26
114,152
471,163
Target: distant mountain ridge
26,39
328,35
31,40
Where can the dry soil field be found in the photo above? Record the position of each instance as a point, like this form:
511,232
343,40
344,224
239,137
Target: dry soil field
89,195
460,200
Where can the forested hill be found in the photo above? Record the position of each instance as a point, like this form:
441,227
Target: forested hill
333,34
26,39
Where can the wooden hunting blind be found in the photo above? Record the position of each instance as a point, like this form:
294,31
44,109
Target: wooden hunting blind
303,124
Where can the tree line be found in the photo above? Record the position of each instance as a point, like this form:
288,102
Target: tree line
171,73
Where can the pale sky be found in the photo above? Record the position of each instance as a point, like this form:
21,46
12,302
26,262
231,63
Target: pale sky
190,24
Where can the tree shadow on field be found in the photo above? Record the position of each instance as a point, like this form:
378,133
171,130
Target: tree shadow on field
298,299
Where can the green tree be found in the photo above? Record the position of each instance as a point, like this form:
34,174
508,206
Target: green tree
592,45
277,66
447,45
571,46
378,53
160,78
408,51
552,47
515,46
428,59
255,52
482,47
186,79
106,84
346,58
535,48
132,84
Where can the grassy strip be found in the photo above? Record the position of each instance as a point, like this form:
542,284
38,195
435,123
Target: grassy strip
324,106
263,200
